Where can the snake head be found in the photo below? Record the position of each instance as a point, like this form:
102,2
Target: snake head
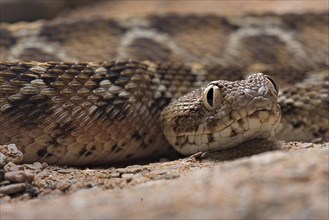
222,115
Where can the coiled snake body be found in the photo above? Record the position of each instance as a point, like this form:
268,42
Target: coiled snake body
81,113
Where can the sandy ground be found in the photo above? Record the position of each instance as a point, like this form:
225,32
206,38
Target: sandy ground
257,180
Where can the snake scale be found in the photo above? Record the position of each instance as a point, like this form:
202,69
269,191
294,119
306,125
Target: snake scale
101,90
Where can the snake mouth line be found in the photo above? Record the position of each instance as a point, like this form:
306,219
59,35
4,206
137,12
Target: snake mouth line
260,124
240,120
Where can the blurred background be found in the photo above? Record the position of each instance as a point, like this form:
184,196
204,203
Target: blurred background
28,10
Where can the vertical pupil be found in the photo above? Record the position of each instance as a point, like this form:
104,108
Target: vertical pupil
273,82
210,97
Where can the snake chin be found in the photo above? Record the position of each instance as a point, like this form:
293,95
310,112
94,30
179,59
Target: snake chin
261,124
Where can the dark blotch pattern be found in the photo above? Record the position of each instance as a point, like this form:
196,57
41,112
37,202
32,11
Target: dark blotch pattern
210,137
174,23
33,112
37,54
61,31
116,149
155,51
7,40
136,136
41,152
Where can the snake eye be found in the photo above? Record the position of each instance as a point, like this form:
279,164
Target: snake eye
211,97
276,87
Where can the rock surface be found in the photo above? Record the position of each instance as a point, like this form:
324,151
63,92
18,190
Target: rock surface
290,183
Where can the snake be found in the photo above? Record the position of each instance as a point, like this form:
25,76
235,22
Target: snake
103,90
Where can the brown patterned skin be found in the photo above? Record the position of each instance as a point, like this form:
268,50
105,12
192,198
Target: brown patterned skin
88,113
291,48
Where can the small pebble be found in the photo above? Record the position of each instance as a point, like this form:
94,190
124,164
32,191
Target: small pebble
3,183
19,176
12,188
2,160
115,175
34,166
305,145
64,171
44,165
9,167
10,153
37,165
63,186
160,172
127,176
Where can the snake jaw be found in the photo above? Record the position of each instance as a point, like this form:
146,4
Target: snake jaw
247,110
